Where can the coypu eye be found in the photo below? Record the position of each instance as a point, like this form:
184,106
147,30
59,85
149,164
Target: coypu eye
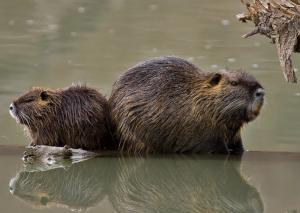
215,79
44,95
234,83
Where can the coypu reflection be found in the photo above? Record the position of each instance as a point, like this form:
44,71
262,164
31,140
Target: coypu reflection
183,184
154,184
81,186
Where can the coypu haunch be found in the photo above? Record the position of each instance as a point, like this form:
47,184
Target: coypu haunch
75,116
168,105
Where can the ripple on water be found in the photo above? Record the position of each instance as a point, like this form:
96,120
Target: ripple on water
81,10
214,66
11,22
225,22
52,27
231,60
30,22
190,59
153,7
207,46
73,34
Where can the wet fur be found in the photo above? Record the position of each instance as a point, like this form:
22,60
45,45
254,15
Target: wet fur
75,116
168,105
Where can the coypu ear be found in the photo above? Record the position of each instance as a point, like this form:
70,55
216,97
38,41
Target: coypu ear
215,79
44,95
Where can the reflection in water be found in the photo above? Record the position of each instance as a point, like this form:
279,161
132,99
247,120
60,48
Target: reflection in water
81,186
156,184
183,185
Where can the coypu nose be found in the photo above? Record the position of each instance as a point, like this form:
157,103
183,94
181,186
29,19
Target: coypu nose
259,93
11,107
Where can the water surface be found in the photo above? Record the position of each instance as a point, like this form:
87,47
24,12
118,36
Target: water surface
256,182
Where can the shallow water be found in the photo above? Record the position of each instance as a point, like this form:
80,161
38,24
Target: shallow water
258,182
55,43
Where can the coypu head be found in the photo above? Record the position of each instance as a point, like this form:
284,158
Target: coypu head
35,107
234,97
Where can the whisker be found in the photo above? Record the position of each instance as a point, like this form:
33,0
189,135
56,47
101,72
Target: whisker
25,117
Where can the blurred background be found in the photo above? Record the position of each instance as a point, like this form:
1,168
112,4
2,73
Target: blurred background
55,43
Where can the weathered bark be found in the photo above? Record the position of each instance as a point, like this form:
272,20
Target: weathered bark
279,20
43,158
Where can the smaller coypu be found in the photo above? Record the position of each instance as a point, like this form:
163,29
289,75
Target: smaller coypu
75,117
168,105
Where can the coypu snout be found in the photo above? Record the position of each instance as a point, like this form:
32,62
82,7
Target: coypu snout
241,99
256,105
12,111
30,107
17,114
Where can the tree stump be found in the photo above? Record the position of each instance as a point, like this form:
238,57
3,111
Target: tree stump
279,20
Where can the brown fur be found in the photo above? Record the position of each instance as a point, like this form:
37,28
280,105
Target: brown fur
169,105
75,116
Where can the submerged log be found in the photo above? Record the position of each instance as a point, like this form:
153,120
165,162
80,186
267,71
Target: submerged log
279,20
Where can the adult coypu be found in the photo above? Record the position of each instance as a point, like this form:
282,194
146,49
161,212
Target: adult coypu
168,105
75,116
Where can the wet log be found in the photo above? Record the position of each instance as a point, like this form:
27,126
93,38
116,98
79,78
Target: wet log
279,20
43,158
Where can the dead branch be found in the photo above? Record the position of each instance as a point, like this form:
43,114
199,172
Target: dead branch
278,20
44,158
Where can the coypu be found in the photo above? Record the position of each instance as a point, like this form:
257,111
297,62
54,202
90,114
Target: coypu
74,117
168,105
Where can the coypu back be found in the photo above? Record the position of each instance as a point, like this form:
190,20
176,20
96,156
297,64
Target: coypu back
75,116
169,105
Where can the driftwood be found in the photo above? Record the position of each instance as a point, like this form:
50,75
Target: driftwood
279,20
43,158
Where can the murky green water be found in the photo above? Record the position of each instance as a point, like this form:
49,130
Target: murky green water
258,182
55,43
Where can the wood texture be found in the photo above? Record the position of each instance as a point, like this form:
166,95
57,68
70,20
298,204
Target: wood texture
279,20
43,158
